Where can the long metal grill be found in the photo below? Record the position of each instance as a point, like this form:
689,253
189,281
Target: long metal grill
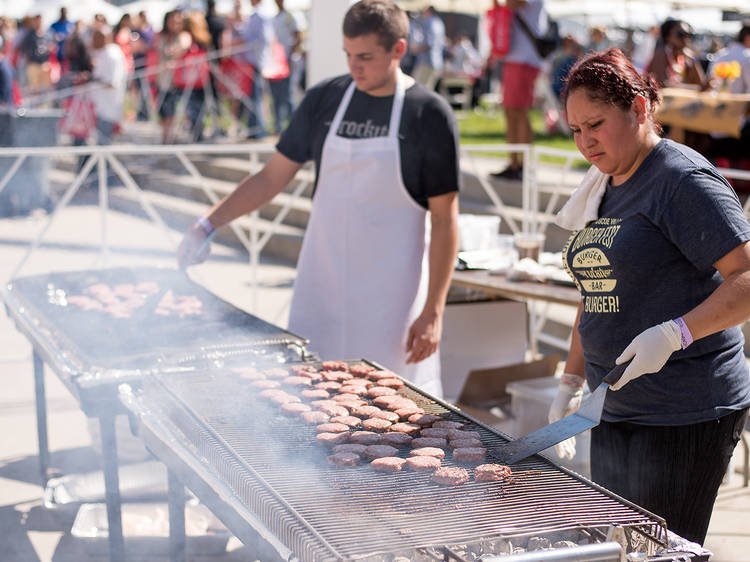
93,341
275,467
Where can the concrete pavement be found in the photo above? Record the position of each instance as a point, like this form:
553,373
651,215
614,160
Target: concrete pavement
32,533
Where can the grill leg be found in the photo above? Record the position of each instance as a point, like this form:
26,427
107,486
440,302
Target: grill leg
41,417
112,488
176,502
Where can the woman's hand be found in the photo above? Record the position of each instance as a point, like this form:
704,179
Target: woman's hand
649,351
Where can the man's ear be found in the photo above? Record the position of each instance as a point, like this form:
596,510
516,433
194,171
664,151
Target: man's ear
399,49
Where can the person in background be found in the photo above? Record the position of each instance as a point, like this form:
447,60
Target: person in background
674,62
257,35
77,54
570,52
60,30
667,303
109,76
643,49
521,67
35,48
287,34
428,51
144,39
6,77
386,152
737,51
170,44
197,27
123,37
597,39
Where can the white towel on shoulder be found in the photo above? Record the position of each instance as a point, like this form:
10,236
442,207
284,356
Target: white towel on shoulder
583,205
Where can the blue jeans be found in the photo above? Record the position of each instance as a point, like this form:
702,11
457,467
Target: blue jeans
281,92
255,121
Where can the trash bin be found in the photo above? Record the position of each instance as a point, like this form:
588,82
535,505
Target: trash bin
28,189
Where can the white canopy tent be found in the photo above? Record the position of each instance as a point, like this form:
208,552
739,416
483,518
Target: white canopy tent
50,9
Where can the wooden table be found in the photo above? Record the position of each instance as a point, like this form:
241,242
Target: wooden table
500,286
704,112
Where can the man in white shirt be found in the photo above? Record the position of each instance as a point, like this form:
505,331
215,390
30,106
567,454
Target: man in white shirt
739,51
109,81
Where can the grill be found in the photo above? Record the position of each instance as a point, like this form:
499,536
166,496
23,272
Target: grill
91,344
279,474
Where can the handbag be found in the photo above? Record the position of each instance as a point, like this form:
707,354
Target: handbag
193,71
498,29
545,45
277,67
79,117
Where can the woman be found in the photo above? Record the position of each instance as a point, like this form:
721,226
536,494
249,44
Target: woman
196,72
663,266
674,63
170,44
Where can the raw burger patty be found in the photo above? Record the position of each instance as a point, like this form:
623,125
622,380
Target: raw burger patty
422,463
428,452
388,464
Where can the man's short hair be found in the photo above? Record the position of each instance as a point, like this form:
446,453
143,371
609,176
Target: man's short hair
744,31
381,17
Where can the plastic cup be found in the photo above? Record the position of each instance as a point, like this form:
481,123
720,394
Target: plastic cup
529,244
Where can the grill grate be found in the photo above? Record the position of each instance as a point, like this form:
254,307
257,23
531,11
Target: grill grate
278,471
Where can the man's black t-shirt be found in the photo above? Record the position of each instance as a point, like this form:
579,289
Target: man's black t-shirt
428,134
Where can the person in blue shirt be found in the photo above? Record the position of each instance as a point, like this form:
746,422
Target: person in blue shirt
60,31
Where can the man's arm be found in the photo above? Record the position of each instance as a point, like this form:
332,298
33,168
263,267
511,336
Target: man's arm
252,192
426,330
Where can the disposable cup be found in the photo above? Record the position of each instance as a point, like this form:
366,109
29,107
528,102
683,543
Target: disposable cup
528,244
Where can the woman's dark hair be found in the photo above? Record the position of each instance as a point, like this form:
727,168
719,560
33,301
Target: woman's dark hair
609,77
666,28
381,17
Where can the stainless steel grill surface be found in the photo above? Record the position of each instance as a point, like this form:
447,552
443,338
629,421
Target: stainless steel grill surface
273,465
175,320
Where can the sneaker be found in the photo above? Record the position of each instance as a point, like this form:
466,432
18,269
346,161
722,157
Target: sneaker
508,174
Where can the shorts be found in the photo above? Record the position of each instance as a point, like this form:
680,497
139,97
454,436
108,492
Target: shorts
518,84
169,103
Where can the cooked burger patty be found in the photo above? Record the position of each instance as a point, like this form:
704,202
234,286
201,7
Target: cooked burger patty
450,476
425,420
378,451
491,472
464,443
395,439
470,454
350,448
343,459
434,432
428,442
459,434
448,424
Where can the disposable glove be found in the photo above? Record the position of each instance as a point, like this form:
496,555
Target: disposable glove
195,246
567,401
649,351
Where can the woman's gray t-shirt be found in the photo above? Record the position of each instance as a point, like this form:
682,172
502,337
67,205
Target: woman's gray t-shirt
648,259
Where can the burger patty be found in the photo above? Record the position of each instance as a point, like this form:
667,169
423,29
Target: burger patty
365,411
276,373
406,412
434,432
450,476
459,434
315,417
334,366
469,454
395,439
425,420
448,424
422,463
328,385
392,383
402,427
386,415
355,389
314,394
332,428
295,408
376,391
331,439
343,459
428,442
464,443
361,369
350,448
351,421
376,424
388,464
377,375
378,451
491,472
296,381
365,437
436,452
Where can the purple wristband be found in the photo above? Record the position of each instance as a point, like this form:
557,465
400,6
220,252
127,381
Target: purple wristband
206,225
687,337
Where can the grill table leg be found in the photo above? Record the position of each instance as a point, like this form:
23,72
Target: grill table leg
112,489
176,503
41,417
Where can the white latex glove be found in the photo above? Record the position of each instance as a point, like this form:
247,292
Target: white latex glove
195,246
649,351
567,401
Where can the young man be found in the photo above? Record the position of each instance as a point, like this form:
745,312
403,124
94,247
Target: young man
386,152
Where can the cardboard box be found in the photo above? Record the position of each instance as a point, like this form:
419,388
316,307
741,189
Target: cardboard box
485,393
480,335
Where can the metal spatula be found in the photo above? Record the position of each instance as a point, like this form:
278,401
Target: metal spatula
587,416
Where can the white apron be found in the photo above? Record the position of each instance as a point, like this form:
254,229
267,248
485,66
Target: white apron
362,273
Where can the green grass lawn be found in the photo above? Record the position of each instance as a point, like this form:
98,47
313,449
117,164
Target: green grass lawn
488,127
